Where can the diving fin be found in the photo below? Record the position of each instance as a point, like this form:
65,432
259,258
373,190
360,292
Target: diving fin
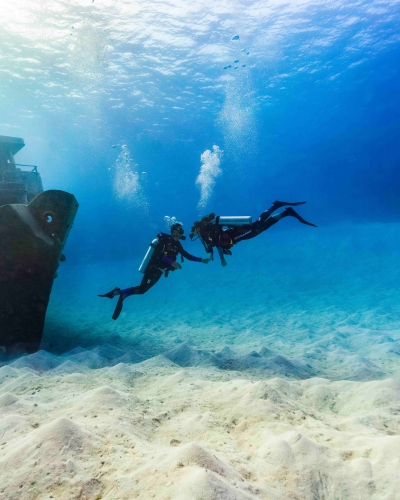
290,211
118,308
280,204
112,294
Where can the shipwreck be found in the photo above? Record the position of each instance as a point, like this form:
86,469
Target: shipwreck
34,227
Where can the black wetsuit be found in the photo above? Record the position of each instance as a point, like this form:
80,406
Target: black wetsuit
164,255
214,235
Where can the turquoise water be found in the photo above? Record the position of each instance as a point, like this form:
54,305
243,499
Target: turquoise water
312,301
152,109
159,109
275,377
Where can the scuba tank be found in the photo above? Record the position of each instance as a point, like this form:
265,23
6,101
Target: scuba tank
148,256
232,220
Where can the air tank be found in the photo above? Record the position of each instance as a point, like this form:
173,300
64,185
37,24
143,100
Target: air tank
233,220
148,256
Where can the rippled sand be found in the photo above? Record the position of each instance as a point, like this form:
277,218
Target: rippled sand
283,384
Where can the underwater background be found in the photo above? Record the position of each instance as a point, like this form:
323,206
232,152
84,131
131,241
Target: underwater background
153,109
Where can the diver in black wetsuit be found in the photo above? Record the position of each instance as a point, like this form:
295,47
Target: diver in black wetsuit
213,235
162,262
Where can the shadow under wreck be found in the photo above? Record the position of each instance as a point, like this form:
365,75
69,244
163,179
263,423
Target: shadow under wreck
34,226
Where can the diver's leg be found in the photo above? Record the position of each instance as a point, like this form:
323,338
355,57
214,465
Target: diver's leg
258,227
251,231
149,279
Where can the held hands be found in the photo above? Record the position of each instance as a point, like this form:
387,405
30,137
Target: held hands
205,261
176,265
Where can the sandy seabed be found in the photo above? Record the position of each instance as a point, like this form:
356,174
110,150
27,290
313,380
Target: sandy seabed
274,378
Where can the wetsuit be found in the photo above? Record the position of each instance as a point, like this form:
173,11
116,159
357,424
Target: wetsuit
214,235
165,254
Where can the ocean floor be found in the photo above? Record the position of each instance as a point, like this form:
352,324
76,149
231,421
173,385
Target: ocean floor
277,377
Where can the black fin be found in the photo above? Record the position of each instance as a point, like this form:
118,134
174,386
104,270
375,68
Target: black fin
118,308
110,295
290,211
280,204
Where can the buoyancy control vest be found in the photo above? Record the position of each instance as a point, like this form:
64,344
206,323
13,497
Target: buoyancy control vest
218,233
168,246
213,235
164,244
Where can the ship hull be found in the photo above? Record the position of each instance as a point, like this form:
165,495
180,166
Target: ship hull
32,238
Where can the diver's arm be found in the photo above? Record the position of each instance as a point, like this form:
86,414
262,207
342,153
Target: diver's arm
193,258
221,256
220,252
188,256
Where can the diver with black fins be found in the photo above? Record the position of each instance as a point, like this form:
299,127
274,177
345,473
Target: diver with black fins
160,259
224,232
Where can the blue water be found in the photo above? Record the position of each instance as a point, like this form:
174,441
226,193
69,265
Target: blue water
274,377
119,102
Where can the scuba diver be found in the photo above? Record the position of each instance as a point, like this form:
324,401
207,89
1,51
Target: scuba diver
160,259
224,232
